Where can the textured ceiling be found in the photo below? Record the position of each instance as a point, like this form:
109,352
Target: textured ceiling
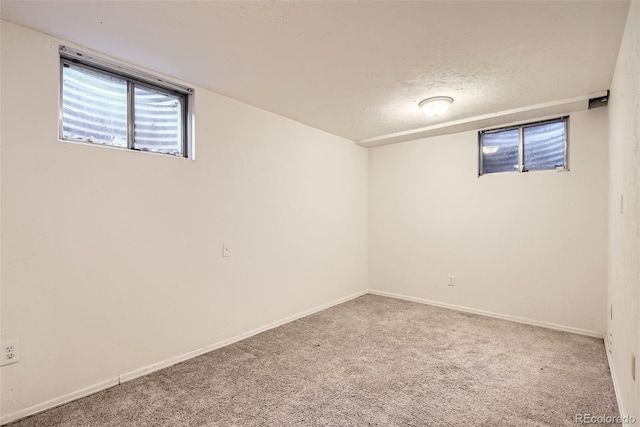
355,69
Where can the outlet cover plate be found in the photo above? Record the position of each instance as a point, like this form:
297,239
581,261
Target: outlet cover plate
10,352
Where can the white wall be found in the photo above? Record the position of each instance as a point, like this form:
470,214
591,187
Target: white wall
527,245
112,258
624,229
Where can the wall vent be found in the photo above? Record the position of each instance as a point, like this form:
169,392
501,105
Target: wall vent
599,101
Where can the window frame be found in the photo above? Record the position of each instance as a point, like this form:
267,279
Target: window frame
133,78
521,145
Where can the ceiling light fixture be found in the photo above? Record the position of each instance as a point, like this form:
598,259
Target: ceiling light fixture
436,106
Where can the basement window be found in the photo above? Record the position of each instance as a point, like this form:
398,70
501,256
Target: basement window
107,104
523,148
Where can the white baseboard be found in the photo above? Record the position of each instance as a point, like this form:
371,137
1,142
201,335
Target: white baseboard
61,400
128,376
616,387
191,354
517,319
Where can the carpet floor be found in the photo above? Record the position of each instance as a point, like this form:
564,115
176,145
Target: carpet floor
372,361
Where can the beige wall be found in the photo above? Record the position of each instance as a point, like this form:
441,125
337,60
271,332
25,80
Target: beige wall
531,245
112,258
624,229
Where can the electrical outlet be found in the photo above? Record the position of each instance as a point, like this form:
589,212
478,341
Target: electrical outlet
226,250
610,341
10,352
452,280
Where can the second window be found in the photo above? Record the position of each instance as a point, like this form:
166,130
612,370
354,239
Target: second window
523,148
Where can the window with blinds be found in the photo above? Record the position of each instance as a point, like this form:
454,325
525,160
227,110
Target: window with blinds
108,104
523,148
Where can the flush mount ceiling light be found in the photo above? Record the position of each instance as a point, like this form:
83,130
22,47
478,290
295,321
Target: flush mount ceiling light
436,106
